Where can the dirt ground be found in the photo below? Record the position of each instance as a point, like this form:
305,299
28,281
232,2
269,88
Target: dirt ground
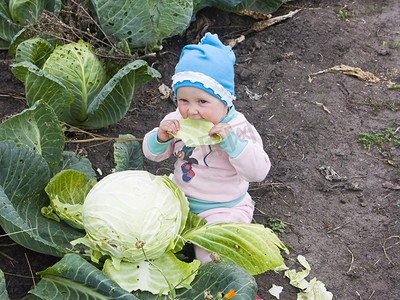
339,201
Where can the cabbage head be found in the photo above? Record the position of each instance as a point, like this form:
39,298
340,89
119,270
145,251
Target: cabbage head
132,216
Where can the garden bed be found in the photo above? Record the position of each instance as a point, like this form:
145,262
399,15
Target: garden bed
338,200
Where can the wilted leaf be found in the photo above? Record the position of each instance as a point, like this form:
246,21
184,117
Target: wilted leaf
353,71
275,291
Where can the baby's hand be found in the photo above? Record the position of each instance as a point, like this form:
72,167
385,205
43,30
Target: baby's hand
166,128
220,129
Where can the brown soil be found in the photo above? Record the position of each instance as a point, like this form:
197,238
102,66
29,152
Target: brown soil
347,228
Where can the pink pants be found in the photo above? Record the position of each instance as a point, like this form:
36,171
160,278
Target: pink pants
240,213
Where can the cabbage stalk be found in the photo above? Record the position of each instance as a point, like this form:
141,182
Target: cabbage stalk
133,216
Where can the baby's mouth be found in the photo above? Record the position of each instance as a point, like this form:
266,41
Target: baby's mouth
195,118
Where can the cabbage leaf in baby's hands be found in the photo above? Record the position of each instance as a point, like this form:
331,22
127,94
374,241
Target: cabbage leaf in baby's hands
195,133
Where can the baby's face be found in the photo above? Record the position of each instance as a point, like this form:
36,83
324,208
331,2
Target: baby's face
196,104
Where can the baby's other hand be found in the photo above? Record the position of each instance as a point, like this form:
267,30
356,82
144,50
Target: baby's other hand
220,129
166,128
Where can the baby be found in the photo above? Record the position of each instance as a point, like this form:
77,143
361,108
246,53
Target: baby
215,178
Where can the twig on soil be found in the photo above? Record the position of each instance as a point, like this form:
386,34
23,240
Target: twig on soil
98,144
13,95
8,245
273,186
97,25
264,214
352,260
159,170
105,139
17,275
358,294
95,137
370,296
286,223
7,256
261,25
338,227
384,247
30,270
280,220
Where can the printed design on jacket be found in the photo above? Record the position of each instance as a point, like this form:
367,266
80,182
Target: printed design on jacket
187,170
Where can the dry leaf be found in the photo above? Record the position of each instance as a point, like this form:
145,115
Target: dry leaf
391,186
165,91
261,25
234,42
324,107
254,14
353,71
391,163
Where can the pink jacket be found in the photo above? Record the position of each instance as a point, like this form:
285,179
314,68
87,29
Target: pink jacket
215,173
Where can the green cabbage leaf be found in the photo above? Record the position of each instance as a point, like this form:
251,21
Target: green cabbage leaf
195,132
31,151
156,276
67,191
143,24
127,153
252,246
3,290
76,277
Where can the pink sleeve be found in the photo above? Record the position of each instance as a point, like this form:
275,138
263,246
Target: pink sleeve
252,163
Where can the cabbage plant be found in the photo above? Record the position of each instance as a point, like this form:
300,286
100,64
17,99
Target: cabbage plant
74,82
144,24
73,275
42,186
137,221
14,14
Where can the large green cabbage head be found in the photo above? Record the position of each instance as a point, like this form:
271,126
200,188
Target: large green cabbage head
132,216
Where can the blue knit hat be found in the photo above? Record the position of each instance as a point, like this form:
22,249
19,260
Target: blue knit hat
207,66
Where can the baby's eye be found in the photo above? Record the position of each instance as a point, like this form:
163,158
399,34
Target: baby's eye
202,101
182,100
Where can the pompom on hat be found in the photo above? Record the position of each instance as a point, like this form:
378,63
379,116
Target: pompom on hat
208,65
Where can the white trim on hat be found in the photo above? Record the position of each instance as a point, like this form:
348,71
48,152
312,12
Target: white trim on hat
207,81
